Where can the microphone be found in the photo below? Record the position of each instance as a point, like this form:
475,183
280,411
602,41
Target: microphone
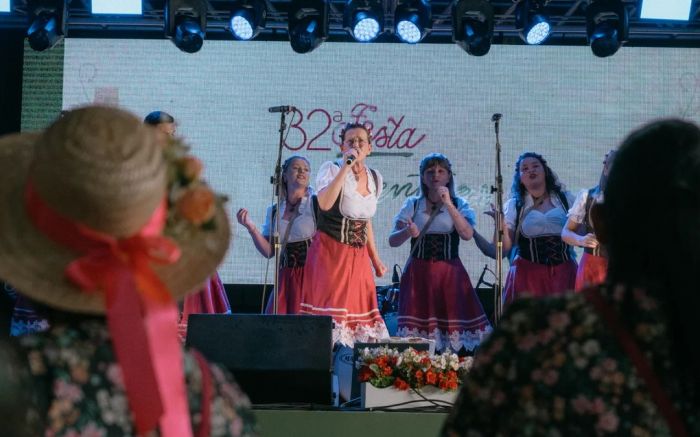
496,118
350,159
285,108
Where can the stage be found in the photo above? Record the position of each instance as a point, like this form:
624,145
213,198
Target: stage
350,423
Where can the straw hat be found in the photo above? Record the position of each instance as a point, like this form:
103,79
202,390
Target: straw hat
103,168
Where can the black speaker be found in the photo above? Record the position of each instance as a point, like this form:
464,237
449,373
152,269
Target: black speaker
275,359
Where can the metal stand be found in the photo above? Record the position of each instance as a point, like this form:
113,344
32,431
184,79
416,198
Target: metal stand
498,190
276,181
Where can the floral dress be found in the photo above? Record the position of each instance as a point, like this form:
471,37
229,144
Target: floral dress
78,390
553,368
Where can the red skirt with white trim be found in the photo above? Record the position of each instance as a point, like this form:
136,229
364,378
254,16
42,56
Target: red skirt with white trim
526,278
291,281
339,283
437,301
592,270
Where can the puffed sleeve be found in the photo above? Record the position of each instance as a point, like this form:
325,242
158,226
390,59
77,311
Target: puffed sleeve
578,211
407,210
268,222
466,211
510,212
328,171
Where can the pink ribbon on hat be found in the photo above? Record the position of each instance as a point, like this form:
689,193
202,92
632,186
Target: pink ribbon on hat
141,314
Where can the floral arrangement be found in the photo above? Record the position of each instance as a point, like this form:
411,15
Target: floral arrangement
191,202
385,367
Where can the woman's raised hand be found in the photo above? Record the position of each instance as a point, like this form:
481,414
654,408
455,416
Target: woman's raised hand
244,219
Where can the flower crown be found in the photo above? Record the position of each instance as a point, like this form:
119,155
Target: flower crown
192,203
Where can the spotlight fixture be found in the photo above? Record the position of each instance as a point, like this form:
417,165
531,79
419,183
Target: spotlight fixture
413,20
472,26
363,19
532,22
47,23
247,19
185,22
606,26
308,24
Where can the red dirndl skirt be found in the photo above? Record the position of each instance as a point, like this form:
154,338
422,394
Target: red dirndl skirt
340,284
291,281
532,279
211,299
437,301
592,270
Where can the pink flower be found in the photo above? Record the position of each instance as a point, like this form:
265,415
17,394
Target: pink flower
608,422
91,430
551,377
559,321
70,392
580,404
114,374
609,365
528,342
598,406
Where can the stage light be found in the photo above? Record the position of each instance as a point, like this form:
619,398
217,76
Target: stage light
666,10
185,23
308,24
247,19
532,21
4,5
472,26
363,19
413,20
117,7
47,24
606,26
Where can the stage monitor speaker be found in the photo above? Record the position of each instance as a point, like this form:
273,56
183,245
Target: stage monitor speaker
486,297
275,359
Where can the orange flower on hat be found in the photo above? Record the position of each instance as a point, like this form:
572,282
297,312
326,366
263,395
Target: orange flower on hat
197,205
191,167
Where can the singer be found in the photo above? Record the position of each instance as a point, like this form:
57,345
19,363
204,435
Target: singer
436,298
579,232
297,226
534,218
339,277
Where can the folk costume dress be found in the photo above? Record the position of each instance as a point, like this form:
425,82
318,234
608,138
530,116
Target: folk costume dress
291,277
593,266
210,299
544,265
436,298
339,280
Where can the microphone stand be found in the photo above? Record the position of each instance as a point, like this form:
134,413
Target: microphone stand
498,190
276,181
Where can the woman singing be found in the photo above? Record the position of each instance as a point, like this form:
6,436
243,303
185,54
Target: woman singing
297,226
339,276
534,218
436,298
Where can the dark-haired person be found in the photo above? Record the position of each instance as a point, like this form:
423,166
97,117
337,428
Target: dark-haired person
297,227
211,298
535,215
436,298
579,231
615,359
338,271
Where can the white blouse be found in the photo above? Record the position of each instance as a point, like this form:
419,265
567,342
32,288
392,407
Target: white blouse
442,223
577,213
536,223
352,204
303,227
